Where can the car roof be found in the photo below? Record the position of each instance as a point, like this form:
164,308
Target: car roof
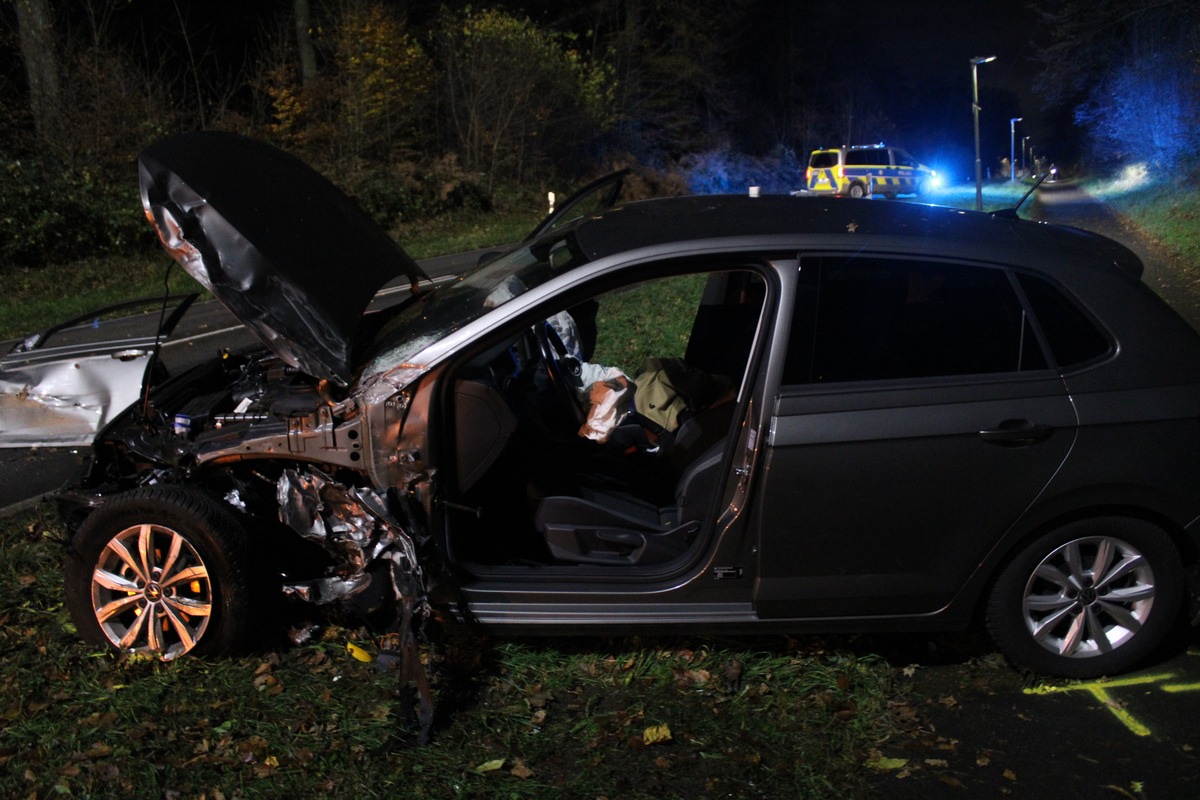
784,221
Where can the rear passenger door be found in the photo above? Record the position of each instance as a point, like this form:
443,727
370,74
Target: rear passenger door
917,417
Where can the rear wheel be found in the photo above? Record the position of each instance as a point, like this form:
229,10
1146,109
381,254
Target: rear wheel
161,571
857,190
1093,598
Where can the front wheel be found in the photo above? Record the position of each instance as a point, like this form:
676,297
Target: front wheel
161,571
1093,598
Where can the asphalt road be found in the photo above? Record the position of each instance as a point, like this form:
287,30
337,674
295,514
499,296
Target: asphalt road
976,728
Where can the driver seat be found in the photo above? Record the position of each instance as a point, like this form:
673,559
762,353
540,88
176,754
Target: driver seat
616,529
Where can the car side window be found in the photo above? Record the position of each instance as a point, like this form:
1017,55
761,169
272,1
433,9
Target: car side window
1072,337
860,319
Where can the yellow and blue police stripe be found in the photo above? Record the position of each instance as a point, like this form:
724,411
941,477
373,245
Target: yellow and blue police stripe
885,180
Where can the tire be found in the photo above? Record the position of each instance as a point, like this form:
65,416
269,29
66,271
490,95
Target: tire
857,191
1051,612
173,551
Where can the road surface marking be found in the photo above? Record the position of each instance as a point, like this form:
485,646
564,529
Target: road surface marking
1098,690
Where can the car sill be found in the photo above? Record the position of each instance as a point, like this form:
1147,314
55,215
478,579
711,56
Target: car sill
552,615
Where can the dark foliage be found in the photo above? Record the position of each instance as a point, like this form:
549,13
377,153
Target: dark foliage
55,214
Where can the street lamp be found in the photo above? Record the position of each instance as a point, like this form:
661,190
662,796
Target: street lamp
1012,148
975,62
1024,141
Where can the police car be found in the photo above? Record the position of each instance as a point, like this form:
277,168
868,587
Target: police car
865,170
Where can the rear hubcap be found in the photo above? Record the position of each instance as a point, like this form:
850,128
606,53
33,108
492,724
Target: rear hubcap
1088,597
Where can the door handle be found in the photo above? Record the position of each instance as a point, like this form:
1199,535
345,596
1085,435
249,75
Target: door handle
1016,433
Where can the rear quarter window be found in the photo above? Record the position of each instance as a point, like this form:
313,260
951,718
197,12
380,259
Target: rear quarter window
1072,336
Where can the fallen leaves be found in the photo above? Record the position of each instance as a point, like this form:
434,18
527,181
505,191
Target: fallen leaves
309,720
98,750
358,653
691,678
268,683
656,734
883,763
495,766
99,719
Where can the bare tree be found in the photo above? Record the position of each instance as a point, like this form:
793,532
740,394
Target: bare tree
302,16
40,54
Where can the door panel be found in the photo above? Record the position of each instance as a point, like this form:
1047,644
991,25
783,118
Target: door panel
883,502
916,421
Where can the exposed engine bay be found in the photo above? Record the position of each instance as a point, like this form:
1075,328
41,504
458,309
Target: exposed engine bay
266,426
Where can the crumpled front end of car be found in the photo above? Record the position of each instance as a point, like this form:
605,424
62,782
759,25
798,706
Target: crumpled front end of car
320,484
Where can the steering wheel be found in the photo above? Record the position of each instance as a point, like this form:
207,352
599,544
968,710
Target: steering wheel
562,369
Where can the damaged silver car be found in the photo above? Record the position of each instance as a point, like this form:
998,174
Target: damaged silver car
59,386
698,413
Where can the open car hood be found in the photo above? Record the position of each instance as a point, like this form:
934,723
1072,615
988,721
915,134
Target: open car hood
294,258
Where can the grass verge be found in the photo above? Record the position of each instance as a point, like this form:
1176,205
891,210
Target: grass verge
463,231
36,298
1169,214
516,719
996,195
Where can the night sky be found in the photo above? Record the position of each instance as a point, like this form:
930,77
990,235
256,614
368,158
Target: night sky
917,52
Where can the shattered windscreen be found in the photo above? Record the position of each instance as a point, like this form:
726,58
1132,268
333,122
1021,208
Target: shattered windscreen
439,313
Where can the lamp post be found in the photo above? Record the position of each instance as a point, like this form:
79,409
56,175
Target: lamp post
1012,148
1024,141
975,62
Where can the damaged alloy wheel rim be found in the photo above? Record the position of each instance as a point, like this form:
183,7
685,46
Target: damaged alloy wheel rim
1088,597
151,592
